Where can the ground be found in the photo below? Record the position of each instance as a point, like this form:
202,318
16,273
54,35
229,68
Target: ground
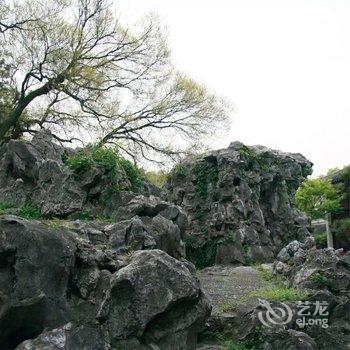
228,289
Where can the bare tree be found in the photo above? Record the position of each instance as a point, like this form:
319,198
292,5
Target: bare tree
71,67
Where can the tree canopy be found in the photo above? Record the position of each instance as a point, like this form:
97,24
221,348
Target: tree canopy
70,66
317,197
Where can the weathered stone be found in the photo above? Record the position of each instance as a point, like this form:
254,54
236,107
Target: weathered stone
247,192
62,291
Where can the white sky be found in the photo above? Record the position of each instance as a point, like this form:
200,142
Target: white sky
284,64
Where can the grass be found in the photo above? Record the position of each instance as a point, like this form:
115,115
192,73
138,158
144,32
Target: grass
6,205
30,211
279,293
252,342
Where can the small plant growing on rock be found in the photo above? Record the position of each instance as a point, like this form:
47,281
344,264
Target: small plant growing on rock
30,211
109,160
6,205
280,293
318,278
321,240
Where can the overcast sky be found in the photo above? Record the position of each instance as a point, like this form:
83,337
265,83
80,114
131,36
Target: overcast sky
284,64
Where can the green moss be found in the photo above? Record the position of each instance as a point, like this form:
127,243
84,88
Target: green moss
204,255
30,211
206,173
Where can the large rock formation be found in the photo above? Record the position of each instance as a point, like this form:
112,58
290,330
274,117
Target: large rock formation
62,290
113,279
240,202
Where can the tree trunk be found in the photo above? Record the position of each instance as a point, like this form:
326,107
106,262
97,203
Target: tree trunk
23,102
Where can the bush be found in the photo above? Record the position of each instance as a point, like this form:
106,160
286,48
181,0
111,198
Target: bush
321,240
109,160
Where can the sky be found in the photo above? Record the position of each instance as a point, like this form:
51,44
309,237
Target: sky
284,65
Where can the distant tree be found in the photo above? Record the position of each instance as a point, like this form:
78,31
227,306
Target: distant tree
72,67
317,197
157,178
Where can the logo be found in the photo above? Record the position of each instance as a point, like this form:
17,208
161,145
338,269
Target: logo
309,313
272,316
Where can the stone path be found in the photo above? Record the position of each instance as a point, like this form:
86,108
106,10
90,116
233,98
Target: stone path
226,286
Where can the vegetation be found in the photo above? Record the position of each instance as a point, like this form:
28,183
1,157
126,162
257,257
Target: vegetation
109,160
317,197
204,255
30,211
86,73
27,211
157,178
341,230
6,205
252,342
280,293
321,240
180,171
206,173
318,277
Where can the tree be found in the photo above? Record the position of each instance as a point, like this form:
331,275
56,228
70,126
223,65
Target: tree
317,197
74,69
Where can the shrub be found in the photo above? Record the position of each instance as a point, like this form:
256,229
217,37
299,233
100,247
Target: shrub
30,211
106,158
321,240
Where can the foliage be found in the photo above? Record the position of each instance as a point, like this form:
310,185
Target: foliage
206,173
341,229
157,178
87,74
109,160
180,171
253,341
5,205
204,255
317,197
30,211
318,277
321,240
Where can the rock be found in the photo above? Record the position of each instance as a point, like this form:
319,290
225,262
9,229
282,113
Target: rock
290,339
241,192
60,290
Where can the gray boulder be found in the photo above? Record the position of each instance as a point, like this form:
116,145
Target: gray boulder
59,290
